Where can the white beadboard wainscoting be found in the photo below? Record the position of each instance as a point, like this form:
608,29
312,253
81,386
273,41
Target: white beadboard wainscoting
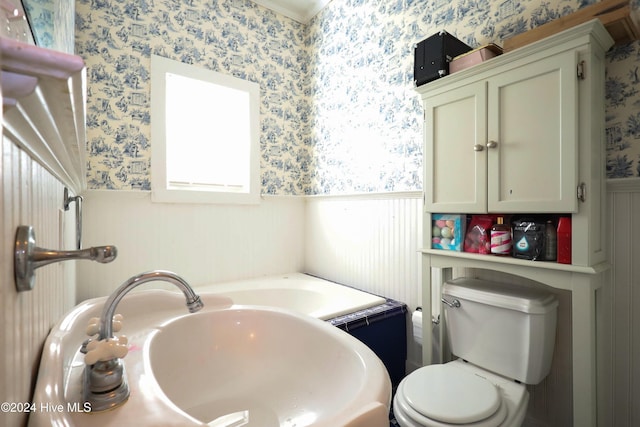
621,346
204,243
370,242
30,196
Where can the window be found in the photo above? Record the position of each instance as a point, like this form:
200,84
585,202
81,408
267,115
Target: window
204,135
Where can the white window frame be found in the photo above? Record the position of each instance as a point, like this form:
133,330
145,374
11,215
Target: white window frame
161,190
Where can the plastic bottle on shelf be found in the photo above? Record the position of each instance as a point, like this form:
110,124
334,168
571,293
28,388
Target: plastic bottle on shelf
564,240
500,238
550,242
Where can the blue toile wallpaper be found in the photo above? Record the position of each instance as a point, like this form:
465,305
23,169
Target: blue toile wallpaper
52,23
338,111
623,111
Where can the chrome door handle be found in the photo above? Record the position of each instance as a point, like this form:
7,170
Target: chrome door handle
492,144
478,147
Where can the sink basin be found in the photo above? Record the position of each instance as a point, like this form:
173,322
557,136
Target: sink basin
266,367
225,366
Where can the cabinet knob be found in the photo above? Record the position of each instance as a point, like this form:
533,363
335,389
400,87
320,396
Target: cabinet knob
492,144
478,147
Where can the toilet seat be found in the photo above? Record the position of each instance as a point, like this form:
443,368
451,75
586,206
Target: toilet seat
408,417
445,395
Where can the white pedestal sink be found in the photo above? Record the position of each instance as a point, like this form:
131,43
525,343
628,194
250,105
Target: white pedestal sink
225,366
266,366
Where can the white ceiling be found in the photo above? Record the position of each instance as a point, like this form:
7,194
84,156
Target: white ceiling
300,10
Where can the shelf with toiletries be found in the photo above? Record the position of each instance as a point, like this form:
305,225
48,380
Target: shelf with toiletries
537,240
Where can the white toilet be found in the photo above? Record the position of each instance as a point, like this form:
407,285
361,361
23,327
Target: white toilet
503,336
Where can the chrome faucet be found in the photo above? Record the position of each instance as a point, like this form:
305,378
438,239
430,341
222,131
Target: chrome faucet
105,384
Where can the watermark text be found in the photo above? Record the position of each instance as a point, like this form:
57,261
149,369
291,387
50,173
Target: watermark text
68,407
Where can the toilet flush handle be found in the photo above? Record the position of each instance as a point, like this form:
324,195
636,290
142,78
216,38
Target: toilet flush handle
453,304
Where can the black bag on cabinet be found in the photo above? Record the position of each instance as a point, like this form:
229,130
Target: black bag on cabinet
432,56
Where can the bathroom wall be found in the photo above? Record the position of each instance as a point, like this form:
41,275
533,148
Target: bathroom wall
370,242
332,90
621,336
203,243
30,196
235,37
362,80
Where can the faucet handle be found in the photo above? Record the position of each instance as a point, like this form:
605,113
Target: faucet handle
117,322
105,350
93,327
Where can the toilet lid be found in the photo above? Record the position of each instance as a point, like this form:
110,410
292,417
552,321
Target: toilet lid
451,395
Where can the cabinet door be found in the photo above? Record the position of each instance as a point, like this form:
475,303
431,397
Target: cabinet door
533,113
455,158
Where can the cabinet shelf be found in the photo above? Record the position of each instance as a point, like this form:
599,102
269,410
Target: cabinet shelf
43,99
498,262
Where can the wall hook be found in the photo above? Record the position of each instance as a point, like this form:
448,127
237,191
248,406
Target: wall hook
78,201
28,257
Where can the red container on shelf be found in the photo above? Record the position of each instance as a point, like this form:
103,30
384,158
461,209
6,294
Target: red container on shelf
564,240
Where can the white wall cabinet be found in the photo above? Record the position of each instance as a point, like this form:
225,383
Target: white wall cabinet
521,133
506,143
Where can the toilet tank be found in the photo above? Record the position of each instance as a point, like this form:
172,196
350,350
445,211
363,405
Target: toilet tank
504,328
